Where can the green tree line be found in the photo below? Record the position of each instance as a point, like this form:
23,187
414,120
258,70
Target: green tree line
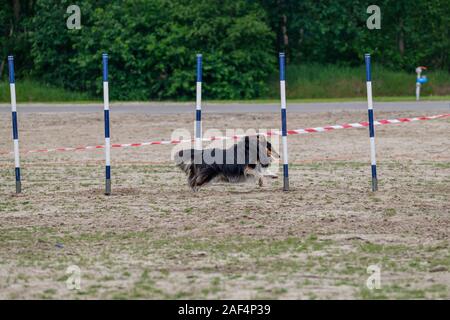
153,43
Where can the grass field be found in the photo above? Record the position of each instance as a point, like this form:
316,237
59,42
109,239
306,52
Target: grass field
154,238
322,82
304,83
33,91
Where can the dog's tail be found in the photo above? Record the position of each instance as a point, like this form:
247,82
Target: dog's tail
184,160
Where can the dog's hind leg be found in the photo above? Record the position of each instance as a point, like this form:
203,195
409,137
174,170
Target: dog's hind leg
204,176
201,181
255,173
198,179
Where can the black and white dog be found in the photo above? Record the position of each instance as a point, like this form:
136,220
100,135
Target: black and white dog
245,160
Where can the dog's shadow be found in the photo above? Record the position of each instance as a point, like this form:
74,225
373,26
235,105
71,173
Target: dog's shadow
243,189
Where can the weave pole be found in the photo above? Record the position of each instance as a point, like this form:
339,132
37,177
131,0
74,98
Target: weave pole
283,122
198,105
373,159
418,84
107,132
12,87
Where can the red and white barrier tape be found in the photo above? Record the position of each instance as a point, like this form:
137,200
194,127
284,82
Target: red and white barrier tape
236,137
366,124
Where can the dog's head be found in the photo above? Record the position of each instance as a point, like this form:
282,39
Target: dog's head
271,153
259,150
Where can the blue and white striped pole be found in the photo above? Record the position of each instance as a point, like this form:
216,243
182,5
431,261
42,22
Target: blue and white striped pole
198,105
107,132
283,122
371,127
12,86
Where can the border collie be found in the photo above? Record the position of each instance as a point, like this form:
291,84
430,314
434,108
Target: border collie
245,160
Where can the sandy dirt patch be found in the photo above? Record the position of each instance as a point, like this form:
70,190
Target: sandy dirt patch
154,238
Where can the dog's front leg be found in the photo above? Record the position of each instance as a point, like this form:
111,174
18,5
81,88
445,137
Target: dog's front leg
261,181
260,176
255,173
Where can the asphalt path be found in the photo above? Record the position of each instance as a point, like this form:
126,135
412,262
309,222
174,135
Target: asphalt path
174,108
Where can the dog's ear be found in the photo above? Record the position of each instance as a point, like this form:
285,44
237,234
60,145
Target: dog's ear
269,146
271,151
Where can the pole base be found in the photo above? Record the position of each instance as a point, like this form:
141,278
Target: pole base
108,187
18,187
374,184
286,184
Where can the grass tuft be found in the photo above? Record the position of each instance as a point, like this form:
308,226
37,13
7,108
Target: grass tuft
33,91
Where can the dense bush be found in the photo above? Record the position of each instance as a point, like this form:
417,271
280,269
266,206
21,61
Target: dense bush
153,46
411,34
14,36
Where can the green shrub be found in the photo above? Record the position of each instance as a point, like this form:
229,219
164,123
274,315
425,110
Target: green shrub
153,45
